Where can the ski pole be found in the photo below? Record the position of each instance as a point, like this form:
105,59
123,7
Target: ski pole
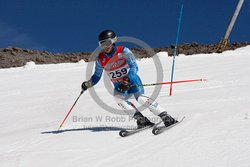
165,83
70,110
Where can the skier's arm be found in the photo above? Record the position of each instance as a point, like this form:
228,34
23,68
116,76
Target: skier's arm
98,72
95,77
130,58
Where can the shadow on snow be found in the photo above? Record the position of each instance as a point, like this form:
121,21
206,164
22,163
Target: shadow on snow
93,129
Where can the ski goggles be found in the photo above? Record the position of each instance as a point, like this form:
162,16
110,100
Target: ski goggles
107,42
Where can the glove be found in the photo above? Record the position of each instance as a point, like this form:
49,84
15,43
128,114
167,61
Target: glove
124,85
86,85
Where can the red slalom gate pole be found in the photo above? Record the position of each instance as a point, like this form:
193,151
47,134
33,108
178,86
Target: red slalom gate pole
70,110
174,82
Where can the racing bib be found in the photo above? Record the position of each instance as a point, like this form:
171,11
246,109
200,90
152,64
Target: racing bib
116,66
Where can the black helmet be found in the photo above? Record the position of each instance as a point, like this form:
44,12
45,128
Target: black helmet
107,38
107,34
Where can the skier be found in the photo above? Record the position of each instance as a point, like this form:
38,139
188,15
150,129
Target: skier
120,64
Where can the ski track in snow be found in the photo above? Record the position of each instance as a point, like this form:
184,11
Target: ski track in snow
35,98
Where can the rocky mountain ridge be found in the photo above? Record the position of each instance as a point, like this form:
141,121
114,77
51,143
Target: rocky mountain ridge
16,57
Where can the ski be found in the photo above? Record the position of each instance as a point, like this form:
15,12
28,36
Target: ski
125,133
159,129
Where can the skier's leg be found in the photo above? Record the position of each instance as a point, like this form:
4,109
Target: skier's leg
125,105
156,109
153,106
130,109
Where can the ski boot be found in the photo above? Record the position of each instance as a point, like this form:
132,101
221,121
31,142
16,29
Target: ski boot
142,121
167,119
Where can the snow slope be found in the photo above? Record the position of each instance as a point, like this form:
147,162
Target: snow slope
34,99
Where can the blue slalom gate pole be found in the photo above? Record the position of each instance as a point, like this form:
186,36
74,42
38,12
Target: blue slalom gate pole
175,48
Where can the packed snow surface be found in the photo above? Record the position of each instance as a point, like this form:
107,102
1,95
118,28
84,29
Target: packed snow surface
34,100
